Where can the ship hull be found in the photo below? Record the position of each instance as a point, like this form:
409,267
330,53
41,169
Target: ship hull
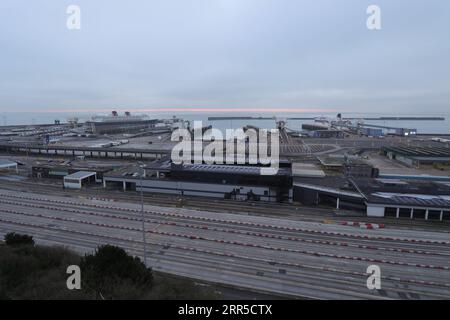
120,126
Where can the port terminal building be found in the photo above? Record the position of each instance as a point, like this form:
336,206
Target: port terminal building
421,200
331,182
358,189
411,199
239,182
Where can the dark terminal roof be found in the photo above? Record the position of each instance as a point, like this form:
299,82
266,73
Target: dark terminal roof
227,169
410,193
419,152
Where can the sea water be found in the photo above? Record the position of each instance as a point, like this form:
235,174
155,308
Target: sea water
439,127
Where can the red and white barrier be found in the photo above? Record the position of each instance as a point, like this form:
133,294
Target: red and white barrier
363,225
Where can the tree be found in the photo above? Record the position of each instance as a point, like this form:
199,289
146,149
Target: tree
35,272
15,239
113,274
40,272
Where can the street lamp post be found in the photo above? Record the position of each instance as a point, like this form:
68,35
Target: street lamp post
142,214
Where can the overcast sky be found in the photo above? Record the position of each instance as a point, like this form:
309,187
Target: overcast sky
220,54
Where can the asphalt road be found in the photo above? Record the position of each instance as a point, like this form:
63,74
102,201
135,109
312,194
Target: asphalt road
294,258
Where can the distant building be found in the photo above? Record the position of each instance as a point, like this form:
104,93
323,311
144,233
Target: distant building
371,132
412,199
406,199
335,134
404,132
359,169
349,166
419,156
332,191
78,179
7,165
59,170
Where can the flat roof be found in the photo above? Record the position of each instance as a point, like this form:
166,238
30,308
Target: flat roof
422,200
392,181
395,193
80,175
229,169
405,193
330,184
329,189
407,177
161,164
300,169
421,152
340,160
7,163
87,167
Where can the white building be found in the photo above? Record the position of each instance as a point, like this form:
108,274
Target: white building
8,165
78,179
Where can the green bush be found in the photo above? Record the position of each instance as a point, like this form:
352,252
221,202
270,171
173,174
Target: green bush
111,274
34,272
15,239
39,272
